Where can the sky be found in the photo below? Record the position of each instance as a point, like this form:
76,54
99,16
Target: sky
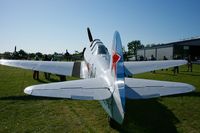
50,26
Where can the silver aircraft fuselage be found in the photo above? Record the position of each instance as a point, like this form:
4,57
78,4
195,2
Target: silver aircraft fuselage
100,63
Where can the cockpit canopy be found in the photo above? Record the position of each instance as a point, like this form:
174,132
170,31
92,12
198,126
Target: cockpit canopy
102,49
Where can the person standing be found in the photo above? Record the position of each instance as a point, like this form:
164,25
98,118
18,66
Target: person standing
176,68
153,59
46,75
165,58
36,73
189,64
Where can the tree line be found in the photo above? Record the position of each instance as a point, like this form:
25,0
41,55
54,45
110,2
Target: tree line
133,46
23,55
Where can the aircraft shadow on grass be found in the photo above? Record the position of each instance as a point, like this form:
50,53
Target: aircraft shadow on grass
148,116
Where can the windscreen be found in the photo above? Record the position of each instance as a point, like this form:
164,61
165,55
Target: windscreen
102,49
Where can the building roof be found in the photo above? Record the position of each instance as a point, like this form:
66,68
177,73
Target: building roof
188,42
193,42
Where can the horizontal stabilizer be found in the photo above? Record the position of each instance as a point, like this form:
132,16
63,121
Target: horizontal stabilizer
146,66
86,89
55,67
144,89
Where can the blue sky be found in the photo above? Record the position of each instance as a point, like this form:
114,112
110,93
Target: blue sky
50,26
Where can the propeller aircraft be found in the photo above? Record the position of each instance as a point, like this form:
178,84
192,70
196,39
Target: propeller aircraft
104,77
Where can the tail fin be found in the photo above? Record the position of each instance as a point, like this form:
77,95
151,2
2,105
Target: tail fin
117,70
116,65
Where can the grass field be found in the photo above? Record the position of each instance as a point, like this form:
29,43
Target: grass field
23,113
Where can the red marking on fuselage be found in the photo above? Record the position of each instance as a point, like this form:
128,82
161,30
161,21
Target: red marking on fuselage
115,59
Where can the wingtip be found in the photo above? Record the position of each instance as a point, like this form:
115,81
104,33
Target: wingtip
192,88
188,88
28,90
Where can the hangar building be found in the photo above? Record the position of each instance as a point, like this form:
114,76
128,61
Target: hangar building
179,49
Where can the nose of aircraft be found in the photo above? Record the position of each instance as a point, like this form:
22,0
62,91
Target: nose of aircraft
28,90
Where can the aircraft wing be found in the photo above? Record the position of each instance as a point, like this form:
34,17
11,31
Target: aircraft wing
85,89
146,66
55,67
144,89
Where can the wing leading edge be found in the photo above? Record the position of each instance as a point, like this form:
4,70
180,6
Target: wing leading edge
55,67
144,89
85,89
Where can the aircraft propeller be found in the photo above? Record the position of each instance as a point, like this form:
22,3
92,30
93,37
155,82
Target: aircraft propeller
82,54
89,35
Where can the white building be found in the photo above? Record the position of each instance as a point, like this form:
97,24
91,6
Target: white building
180,49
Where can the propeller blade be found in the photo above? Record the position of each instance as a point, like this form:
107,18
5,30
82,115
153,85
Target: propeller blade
89,35
84,50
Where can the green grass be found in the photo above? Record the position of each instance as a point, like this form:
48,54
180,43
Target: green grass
23,113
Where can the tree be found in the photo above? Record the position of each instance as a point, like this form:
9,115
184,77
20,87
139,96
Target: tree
76,55
31,55
133,46
22,54
7,55
125,54
39,55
